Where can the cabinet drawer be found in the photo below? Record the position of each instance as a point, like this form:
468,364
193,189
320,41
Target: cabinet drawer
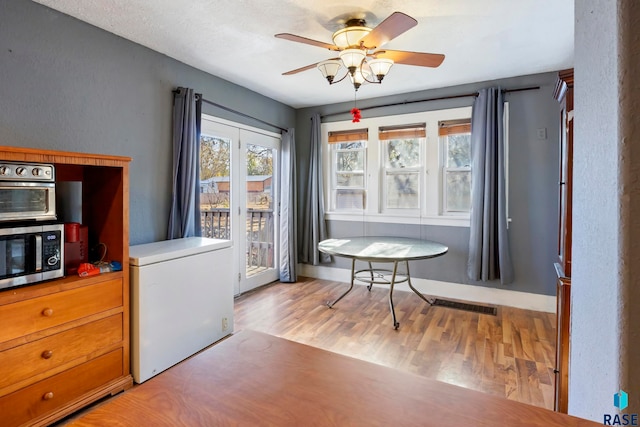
33,315
45,396
25,361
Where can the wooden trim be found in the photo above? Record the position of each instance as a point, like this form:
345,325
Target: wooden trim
567,76
50,156
563,83
563,93
563,331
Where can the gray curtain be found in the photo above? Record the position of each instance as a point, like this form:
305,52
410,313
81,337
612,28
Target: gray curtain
288,208
184,218
489,255
314,228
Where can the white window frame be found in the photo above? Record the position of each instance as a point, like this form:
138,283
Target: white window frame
384,171
443,171
430,212
334,187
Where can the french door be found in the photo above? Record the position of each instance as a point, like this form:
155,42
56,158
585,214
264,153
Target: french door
239,197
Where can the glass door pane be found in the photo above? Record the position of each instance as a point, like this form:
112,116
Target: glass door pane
260,207
259,200
215,186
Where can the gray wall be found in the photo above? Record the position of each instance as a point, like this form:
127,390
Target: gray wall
66,85
533,182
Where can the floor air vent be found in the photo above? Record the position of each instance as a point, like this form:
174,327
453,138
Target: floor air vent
468,307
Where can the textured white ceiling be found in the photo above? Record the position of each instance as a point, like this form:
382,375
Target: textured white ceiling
234,39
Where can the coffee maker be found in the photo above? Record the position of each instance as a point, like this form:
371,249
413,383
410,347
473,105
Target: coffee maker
76,246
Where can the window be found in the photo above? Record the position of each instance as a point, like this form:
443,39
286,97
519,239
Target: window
408,169
348,173
402,165
455,136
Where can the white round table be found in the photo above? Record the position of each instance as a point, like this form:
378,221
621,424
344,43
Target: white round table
382,249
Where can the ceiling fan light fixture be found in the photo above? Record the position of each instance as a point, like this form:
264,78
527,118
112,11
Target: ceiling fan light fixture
380,67
357,47
350,36
329,69
359,77
352,58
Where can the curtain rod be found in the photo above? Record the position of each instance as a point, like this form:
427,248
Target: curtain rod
466,95
206,101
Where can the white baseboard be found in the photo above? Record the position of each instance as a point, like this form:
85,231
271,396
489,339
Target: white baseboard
478,294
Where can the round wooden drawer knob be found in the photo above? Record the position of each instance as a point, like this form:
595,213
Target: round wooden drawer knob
48,396
47,312
47,354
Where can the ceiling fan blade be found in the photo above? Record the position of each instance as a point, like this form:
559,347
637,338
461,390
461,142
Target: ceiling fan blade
299,39
394,25
301,69
419,59
305,68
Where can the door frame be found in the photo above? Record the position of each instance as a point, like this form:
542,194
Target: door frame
237,199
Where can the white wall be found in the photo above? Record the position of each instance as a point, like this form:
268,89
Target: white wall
604,330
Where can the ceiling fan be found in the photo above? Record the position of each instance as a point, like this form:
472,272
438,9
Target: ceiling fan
360,50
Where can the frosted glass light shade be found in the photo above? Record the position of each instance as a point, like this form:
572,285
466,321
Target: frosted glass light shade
352,57
359,77
380,67
329,68
350,36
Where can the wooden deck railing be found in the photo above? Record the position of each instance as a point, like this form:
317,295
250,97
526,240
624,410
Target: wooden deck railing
259,229
215,223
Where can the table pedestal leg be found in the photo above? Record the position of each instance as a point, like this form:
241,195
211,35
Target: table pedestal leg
353,277
417,292
396,325
372,279
392,283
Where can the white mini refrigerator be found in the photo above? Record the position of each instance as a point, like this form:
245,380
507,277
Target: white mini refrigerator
181,301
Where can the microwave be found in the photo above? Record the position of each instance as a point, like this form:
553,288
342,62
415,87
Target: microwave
27,192
31,254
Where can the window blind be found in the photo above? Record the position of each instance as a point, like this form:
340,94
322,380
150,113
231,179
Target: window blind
452,127
387,133
348,136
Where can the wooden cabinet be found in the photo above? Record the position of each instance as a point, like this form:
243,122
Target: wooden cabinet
564,94
64,343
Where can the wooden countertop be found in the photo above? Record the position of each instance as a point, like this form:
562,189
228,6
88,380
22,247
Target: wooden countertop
256,379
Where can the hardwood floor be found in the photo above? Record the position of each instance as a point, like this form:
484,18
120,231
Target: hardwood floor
511,354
